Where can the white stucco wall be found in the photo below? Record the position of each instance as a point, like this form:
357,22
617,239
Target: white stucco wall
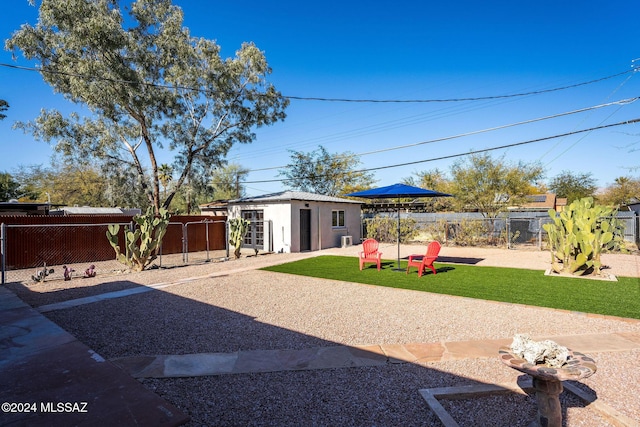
284,219
323,235
278,216
330,237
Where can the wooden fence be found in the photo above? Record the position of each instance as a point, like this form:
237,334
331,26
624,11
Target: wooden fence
31,241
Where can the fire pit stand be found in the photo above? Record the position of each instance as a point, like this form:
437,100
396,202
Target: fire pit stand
547,382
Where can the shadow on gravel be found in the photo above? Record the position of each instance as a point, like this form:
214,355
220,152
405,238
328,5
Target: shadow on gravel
384,395
53,291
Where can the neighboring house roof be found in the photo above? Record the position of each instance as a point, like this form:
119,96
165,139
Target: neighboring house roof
541,201
24,208
544,202
215,208
285,196
88,210
214,204
561,202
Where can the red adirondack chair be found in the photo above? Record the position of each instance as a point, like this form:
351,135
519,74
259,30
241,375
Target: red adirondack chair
425,261
370,253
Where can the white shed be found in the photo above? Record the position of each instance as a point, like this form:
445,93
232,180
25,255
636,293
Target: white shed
296,221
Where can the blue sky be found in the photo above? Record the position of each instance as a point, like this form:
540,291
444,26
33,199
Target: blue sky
406,50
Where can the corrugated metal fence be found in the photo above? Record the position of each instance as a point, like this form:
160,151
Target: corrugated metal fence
36,243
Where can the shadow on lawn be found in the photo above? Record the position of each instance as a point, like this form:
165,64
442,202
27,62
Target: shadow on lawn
445,259
364,395
460,260
391,265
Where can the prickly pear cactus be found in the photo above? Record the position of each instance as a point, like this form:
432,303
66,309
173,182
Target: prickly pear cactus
579,235
238,228
142,244
112,235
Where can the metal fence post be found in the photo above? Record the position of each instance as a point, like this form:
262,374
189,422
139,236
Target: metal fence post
206,236
3,249
539,234
226,237
185,244
185,232
508,225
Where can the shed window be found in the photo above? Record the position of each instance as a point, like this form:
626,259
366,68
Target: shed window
255,235
337,218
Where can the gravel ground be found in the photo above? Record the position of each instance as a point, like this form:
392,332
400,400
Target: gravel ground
244,309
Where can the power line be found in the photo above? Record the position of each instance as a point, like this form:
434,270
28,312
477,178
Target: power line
584,136
479,98
531,141
483,98
311,98
446,138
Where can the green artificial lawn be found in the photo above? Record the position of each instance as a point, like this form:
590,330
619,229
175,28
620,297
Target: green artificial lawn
532,287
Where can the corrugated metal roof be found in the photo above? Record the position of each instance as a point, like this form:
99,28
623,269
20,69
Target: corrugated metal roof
285,196
88,210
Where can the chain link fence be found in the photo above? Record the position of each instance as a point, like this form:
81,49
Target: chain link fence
466,230
42,252
196,244
31,252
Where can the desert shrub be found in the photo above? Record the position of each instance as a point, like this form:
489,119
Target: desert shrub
429,231
385,229
473,232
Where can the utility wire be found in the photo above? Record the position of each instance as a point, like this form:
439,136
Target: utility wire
446,138
531,141
300,98
479,98
584,136
310,98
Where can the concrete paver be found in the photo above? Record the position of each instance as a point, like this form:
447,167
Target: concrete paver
48,378
243,362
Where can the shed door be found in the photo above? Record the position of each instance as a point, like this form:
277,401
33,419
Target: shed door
305,230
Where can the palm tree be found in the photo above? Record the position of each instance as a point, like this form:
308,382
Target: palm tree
165,176
4,105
